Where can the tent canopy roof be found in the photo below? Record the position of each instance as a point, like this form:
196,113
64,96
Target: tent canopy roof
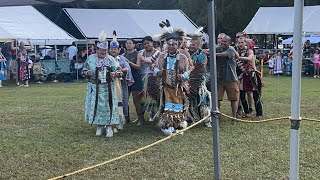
129,23
25,22
280,20
38,2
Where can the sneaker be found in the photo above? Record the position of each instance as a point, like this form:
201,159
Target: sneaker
27,85
314,76
167,131
0,85
115,130
249,115
120,126
140,123
99,131
208,124
109,131
22,85
55,81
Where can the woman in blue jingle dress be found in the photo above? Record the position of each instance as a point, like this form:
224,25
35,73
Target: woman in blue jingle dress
101,107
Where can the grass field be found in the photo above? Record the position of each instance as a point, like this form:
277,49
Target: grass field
43,135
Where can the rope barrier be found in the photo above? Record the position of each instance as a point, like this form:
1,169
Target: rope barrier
169,137
251,121
308,119
132,152
265,120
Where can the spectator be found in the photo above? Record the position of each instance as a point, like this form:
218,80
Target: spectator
316,64
72,51
135,89
44,52
226,73
278,65
22,49
271,65
2,68
122,50
307,49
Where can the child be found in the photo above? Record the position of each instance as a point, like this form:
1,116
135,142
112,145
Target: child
271,65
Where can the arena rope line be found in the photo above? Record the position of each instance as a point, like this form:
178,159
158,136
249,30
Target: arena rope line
132,152
265,120
249,121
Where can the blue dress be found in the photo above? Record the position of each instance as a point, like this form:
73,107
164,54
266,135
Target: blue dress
104,115
288,65
3,70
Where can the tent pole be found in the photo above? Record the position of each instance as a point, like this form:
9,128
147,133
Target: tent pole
55,47
87,44
213,78
296,90
77,62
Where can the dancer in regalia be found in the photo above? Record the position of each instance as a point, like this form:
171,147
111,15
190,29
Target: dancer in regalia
124,82
102,102
172,71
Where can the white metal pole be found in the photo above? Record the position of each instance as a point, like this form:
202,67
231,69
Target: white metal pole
214,95
56,52
76,64
296,90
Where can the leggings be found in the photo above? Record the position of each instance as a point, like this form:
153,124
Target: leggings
257,103
137,97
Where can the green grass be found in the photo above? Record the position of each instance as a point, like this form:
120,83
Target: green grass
43,135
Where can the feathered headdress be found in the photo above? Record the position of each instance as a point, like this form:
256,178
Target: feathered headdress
197,34
114,43
170,33
103,43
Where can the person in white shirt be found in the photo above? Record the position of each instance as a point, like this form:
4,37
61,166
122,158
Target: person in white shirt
45,52
271,65
72,51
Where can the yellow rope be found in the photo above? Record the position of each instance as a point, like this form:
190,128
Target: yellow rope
307,119
169,137
250,121
130,153
265,120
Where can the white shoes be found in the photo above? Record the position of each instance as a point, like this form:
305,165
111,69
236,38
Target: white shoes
99,131
109,131
115,130
208,124
168,131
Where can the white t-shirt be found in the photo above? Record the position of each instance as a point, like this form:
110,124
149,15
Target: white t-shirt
45,52
72,51
271,62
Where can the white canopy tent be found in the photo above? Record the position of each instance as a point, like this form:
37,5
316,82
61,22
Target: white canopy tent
129,23
279,20
25,22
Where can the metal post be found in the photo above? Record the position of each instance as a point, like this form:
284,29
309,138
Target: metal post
75,67
296,90
213,78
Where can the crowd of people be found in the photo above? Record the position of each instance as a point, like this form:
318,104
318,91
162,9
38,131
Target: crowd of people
169,83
